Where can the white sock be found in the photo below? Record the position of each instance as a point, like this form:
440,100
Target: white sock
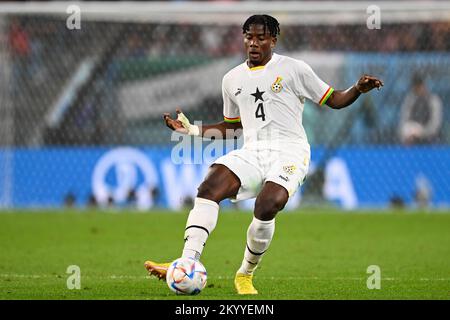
201,222
259,236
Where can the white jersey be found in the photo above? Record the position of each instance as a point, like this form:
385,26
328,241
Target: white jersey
269,100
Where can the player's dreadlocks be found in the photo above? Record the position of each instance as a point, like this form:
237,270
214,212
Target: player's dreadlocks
269,23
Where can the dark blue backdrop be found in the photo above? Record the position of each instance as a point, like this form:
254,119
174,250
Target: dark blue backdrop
43,177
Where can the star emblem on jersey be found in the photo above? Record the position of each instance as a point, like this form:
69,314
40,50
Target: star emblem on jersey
277,86
258,95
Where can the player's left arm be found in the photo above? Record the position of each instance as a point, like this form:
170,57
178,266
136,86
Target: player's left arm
343,98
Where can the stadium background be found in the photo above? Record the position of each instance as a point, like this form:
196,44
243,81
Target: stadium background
71,97
91,177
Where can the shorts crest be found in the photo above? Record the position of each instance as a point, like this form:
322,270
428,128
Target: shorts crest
289,169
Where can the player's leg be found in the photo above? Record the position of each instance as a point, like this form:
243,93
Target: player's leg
272,199
219,184
287,171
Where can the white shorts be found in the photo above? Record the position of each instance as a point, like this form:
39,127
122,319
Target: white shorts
287,168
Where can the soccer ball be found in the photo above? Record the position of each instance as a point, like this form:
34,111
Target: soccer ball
186,276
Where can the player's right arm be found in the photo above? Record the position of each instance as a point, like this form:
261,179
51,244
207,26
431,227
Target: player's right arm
222,130
227,130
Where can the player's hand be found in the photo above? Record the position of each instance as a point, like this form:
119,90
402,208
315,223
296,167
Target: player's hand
367,83
174,124
181,124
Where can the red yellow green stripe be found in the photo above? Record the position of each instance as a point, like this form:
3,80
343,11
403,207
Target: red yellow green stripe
326,96
232,120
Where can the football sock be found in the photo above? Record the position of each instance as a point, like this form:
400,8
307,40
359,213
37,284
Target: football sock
259,236
201,222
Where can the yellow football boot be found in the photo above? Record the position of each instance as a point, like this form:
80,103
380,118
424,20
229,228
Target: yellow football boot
244,284
157,269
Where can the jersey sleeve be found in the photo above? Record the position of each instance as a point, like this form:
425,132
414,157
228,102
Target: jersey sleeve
230,109
310,86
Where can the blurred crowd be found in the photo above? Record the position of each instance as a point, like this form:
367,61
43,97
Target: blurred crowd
35,44
155,40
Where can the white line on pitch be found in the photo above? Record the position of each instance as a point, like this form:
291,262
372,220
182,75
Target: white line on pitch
37,276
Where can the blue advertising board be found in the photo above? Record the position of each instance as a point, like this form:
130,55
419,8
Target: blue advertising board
355,177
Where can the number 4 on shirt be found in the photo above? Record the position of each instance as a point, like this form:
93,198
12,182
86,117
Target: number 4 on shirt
260,112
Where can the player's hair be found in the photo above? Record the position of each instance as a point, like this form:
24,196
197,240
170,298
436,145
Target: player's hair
269,23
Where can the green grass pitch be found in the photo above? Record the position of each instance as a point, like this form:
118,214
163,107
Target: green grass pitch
316,255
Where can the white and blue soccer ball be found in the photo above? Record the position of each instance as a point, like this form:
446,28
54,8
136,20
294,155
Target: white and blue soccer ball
186,276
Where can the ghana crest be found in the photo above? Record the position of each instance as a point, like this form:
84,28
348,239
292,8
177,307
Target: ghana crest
277,86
